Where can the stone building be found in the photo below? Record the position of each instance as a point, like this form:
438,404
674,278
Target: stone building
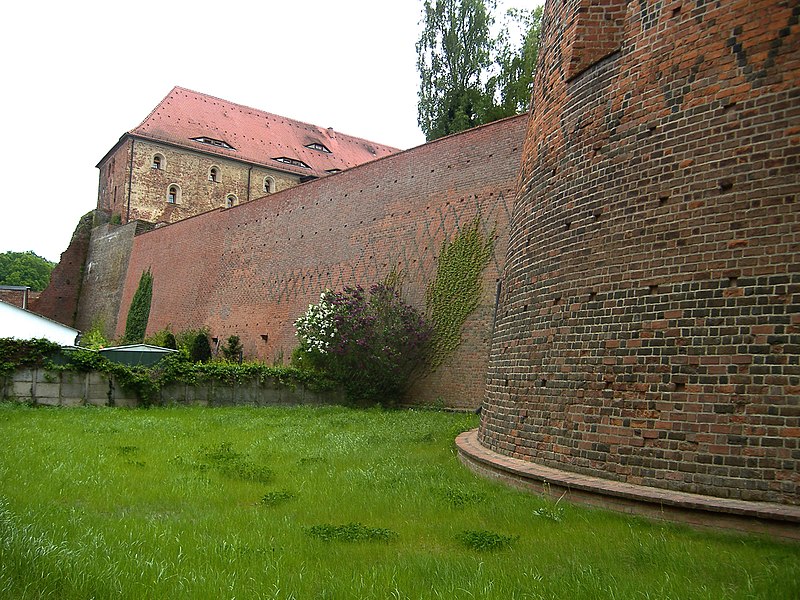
194,153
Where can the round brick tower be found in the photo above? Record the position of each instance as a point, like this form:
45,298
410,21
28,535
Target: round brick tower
648,329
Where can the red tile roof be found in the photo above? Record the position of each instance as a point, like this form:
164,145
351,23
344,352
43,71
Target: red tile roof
253,135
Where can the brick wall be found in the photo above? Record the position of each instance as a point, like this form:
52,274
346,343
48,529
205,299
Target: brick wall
59,301
649,323
596,30
18,297
253,269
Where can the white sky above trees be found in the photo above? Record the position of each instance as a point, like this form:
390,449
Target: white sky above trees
77,75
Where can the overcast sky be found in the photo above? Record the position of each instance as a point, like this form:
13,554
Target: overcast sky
78,75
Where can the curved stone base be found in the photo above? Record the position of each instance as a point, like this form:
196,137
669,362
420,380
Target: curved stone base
774,520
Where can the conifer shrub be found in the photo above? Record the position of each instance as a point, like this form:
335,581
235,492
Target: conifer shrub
201,348
233,351
185,338
164,338
170,341
139,311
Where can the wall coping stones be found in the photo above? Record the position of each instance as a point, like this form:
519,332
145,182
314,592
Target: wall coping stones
775,520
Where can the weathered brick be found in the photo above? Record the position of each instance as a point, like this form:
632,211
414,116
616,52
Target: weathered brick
689,234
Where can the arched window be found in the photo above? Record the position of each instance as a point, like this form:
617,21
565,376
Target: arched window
269,185
158,162
173,194
230,201
213,174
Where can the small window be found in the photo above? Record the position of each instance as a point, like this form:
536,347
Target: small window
158,162
230,201
269,185
213,175
319,147
173,194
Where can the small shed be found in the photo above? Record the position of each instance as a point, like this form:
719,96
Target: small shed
136,355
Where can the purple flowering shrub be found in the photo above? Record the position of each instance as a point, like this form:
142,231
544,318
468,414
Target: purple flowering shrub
371,343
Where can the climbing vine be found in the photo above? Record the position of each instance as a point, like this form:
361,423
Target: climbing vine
147,382
139,312
456,289
20,354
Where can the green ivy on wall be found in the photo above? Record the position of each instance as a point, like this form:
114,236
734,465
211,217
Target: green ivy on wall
139,312
147,382
456,289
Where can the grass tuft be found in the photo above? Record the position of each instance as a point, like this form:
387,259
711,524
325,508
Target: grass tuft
225,460
552,511
459,498
352,532
276,498
485,541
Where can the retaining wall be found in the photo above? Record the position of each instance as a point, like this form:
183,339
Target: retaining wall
64,388
104,275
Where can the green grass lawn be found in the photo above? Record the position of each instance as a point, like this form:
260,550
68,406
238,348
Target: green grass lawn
312,503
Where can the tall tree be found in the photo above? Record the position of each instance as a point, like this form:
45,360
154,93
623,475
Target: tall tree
454,53
25,268
467,77
517,50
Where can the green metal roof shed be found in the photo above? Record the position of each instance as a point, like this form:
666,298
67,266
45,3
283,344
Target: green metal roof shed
136,355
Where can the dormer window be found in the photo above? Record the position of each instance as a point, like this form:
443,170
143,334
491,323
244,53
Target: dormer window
292,161
213,142
319,147
213,175
158,162
332,171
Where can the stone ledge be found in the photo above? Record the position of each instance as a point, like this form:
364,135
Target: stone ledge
775,520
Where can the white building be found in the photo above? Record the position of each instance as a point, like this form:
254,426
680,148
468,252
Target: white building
22,324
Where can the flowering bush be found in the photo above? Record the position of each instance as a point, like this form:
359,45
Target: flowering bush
370,343
315,328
